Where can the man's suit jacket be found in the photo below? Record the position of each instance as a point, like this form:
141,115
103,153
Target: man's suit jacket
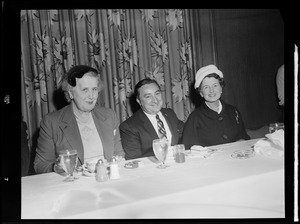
137,133
59,131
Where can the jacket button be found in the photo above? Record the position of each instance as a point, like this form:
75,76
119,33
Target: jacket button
225,136
220,118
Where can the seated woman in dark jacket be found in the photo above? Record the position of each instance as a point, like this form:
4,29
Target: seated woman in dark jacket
214,122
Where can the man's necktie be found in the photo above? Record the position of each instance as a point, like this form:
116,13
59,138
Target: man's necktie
161,128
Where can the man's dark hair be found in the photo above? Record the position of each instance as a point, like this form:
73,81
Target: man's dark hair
143,82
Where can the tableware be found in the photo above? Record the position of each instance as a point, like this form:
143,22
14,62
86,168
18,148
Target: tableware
114,169
101,171
243,154
68,161
160,148
88,174
91,166
134,164
204,152
179,153
131,165
275,127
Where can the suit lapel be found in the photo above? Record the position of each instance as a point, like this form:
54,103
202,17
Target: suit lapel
100,123
147,124
70,129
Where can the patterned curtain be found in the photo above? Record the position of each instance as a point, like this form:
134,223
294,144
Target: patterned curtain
124,45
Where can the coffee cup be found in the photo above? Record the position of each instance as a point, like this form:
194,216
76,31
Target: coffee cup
91,166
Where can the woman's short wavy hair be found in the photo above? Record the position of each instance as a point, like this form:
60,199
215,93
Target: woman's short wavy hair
78,71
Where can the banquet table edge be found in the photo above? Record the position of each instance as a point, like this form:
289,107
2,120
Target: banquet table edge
176,196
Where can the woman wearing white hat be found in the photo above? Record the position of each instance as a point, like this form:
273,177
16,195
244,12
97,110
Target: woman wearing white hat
214,122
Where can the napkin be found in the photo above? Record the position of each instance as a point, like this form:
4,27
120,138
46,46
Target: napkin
198,148
277,138
273,146
201,151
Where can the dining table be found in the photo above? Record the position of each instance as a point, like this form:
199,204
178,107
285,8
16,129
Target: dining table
228,181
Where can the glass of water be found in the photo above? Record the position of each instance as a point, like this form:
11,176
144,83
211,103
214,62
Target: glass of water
275,126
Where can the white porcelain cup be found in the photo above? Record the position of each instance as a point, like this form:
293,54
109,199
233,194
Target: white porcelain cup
91,166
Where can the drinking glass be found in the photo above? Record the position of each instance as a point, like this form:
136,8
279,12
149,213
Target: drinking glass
179,153
160,148
275,127
68,161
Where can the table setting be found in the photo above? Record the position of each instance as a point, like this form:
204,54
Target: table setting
222,181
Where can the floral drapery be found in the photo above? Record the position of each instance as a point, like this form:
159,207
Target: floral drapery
124,45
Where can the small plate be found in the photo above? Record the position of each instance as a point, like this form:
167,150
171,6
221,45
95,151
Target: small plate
131,165
243,154
88,174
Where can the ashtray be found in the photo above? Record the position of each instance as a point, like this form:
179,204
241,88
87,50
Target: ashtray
243,154
133,164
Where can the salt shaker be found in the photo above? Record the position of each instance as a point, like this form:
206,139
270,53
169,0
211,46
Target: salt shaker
101,171
114,169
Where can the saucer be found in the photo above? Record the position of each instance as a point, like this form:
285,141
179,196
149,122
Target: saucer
88,174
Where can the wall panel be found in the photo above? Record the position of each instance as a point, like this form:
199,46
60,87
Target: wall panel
250,49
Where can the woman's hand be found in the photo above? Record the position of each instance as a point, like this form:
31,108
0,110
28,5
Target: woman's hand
57,168
119,158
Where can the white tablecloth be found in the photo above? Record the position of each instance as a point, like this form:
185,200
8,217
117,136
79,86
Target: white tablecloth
218,186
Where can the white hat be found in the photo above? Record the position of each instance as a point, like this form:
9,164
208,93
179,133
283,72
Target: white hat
204,71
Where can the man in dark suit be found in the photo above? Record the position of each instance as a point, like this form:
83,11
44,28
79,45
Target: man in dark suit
138,131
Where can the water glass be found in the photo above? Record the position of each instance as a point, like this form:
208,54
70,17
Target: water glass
179,153
275,127
68,161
